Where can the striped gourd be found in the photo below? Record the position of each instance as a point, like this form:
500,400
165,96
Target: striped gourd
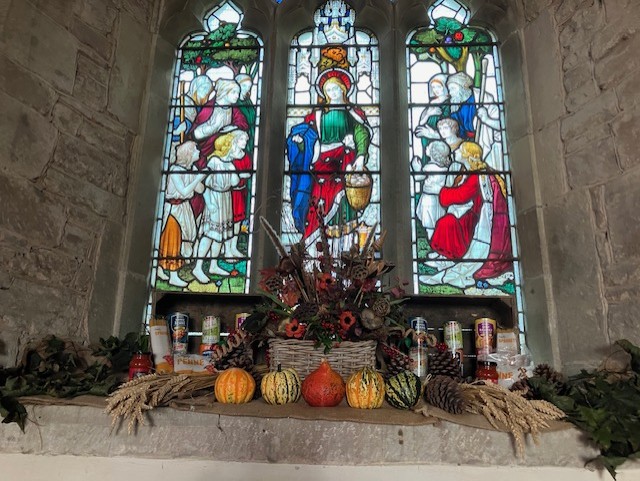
281,386
403,390
234,386
365,389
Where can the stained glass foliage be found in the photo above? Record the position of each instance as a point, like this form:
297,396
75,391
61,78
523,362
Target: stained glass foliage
205,222
332,154
463,223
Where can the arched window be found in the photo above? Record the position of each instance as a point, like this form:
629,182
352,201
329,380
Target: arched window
463,225
332,160
204,224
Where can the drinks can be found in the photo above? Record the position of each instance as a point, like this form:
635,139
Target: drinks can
210,334
240,318
485,334
453,340
179,322
418,352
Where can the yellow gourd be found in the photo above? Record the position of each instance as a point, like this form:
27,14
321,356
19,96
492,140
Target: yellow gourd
234,386
365,389
281,386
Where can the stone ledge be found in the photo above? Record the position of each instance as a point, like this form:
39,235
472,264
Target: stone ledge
85,431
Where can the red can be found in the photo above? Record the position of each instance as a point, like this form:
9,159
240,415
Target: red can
140,365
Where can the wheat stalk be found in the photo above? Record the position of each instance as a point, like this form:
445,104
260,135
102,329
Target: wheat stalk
133,399
508,411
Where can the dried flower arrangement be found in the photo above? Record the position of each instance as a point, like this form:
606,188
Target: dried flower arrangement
334,297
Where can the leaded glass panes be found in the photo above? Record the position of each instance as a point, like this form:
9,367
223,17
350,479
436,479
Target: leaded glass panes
462,207
205,213
332,155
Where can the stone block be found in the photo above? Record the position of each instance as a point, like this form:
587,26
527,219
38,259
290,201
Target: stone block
524,182
92,38
578,76
83,281
128,76
104,139
575,278
85,218
623,320
88,67
99,14
43,309
550,169
104,295
579,96
41,265
533,7
24,86
517,113
628,91
41,45
622,23
66,119
61,11
528,226
27,139
622,198
79,159
27,212
600,111
594,132
539,339
623,272
566,9
545,84
90,92
626,131
84,194
596,163
618,64
78,242
140,10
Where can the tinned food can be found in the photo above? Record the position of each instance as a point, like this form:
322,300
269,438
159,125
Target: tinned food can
210,334
418,351
485,335
453,340
179,322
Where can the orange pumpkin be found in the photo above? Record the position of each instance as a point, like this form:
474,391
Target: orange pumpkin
234,386
323,387
365,389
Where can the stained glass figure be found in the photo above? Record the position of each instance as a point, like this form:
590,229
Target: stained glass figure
205,214
332,164
463,218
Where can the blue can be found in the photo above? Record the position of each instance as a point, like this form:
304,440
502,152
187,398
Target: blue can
179,322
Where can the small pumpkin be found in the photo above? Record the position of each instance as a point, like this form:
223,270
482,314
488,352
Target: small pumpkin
402,391
234,386
323,387
281,387
365,389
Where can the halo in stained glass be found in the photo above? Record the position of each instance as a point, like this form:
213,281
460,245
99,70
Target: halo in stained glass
332,155
205,212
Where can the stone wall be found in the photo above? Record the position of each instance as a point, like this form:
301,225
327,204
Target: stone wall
585,118
72,80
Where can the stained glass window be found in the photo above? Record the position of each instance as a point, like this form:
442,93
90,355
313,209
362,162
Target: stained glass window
205,211
332,161
463,223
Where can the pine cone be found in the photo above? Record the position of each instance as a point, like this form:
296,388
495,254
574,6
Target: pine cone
523,388
550,374
381,307
445,393
442,363
397,361
237,353
274,283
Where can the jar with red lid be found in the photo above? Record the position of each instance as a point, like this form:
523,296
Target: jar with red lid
140,365
487,371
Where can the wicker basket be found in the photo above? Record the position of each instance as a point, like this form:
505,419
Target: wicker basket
344,358
358,196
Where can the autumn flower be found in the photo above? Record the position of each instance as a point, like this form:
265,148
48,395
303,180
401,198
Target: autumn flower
295,329
347,320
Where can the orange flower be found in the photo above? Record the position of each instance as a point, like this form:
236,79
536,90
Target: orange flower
324,281
294,329
347,320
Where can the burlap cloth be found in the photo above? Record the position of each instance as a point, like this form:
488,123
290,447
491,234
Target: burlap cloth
422,414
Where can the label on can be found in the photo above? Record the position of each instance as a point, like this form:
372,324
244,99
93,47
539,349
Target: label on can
485,333
419,360
240,318
179,322
418,324
211,330
453,336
